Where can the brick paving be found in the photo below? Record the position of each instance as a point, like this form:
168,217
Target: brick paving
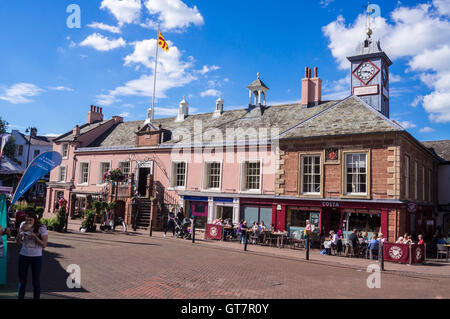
122,266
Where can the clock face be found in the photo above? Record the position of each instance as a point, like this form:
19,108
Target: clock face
366,71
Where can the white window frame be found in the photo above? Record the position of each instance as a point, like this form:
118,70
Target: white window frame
407,177
243,176
206,175
62,150
416,180
423,183
129,173
302,174
430,185
173,175
367,155
60,180
100,181
80,175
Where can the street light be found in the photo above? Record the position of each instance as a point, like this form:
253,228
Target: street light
28,130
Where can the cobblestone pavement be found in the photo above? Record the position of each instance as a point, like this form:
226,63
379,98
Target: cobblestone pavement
121,266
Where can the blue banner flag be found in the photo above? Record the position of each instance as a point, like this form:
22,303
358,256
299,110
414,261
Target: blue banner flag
3,225
39,167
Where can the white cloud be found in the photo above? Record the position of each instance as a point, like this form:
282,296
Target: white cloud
325,3
174,14
336,90
125,11
443,6
102,43
19,93
417,100
164,111
418,33
427,130
210,92
124,114
105,27
407,124
173,72
394,78
61,88
207,69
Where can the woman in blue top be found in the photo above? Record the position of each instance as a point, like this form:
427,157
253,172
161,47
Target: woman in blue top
33,237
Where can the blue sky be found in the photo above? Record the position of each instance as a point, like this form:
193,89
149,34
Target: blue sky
51,74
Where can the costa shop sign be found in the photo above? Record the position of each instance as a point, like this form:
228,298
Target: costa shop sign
330,204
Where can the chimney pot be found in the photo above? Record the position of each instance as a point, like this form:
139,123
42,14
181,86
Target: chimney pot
316,72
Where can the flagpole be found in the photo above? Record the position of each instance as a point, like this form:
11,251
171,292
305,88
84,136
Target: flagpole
154,80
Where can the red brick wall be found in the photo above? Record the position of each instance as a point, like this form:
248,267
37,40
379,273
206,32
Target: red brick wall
151,139
417,154
381,150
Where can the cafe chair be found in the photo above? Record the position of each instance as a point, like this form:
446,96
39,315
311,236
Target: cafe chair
441,251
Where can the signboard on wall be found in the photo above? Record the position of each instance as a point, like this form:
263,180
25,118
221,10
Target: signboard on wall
366,90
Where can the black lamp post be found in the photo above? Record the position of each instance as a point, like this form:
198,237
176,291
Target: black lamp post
29,145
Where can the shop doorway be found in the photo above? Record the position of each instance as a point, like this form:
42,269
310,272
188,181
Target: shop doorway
224,212
331,220
143,172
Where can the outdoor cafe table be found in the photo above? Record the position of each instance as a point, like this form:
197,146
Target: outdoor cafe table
280,238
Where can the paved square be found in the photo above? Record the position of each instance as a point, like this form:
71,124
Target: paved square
121,266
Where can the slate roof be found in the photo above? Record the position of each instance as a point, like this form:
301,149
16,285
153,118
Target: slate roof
69,137
441,148
279,117
38,140
350,116
257,83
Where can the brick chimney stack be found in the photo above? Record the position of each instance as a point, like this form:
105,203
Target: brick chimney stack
95,115
33,132
311,88
76,131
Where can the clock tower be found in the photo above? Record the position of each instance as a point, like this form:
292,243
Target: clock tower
370,74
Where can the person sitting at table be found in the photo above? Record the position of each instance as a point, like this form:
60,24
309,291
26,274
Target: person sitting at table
263,226
373,247
408,240
421,242
228,229
381,238
365,237
272,228
334,239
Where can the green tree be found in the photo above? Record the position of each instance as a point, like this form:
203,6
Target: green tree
10,147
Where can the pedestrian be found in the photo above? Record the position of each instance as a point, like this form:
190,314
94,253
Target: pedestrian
373,247
180,215
33,237
170,223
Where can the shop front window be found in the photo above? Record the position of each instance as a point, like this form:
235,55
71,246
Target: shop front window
364,222
257,214
296,220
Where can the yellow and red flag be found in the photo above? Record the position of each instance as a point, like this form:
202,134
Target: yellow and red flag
162,42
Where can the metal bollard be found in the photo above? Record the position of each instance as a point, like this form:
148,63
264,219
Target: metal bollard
307,247
381,257
151,228
246,240
193,230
